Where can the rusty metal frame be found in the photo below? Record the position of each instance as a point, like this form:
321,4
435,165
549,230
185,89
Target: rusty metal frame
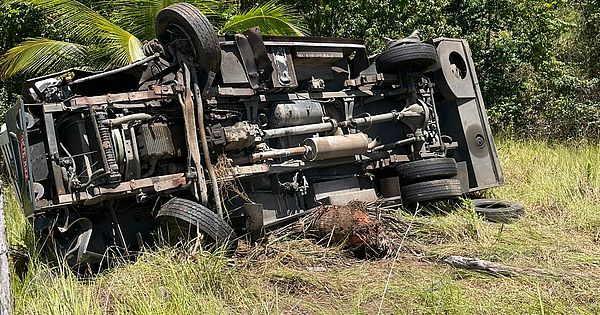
158,92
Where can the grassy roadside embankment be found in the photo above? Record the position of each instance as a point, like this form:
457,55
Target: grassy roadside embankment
559,184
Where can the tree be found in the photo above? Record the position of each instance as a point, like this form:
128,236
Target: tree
537,60
17,21
115,39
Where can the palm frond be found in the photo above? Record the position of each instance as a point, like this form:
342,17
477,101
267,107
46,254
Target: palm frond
87,27
38,55
121,50
139,16
272,18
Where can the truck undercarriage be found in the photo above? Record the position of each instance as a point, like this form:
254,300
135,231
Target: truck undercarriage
229,136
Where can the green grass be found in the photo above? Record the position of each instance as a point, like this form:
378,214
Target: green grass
558,183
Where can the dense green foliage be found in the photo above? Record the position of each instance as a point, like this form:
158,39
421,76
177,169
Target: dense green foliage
537,60
16,23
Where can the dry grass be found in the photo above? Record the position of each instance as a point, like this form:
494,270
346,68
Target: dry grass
559,184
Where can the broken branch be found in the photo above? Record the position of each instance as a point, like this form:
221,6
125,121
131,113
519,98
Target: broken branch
494,268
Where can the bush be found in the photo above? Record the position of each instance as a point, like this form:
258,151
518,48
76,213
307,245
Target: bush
537,60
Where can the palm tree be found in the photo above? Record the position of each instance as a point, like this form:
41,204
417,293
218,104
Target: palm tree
100,42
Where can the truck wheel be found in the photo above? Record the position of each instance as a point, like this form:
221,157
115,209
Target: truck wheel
426,170
431,191
418,57
498,211
182,27
182,220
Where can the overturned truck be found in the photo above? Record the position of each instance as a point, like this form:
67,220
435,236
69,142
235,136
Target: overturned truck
228,136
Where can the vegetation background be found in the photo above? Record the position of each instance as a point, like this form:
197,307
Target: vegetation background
537,60
538,65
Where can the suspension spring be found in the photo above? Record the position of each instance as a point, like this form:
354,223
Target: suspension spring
107,148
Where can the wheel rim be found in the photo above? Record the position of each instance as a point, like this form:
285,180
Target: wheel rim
181,41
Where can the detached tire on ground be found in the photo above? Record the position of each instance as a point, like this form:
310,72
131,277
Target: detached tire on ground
426,170
183,27
498,211
417,57
182,220
433,190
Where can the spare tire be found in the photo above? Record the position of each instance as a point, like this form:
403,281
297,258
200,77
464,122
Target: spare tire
184,28
498,211
433,190
417,57
183,220
426,170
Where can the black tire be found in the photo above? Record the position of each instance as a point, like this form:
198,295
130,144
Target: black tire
498,211
426,170
433,190
184,21
187,218
417,57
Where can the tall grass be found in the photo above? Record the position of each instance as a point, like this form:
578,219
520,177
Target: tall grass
558,183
